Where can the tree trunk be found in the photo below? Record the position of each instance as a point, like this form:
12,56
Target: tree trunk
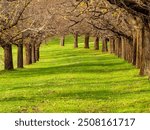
96,43
112,45
129,50
139,47
147,50
62,41
33,53
76,40
37,53
20,56
116,47
104,45
119,47
145,60
134,58
86,43
8,57
28,54
123,41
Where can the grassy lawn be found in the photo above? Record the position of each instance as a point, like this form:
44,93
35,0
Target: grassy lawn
74,80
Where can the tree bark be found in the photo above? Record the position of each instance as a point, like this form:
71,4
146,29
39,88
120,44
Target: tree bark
123,41
96,43
139,47
147,50
119,47
28,54
8,57
112,45
37,53
116,47
33,52
86,43
145,57
76,40
129,50
62,41
104,45
134,58
20,56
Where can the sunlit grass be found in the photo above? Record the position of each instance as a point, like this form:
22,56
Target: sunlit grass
74,80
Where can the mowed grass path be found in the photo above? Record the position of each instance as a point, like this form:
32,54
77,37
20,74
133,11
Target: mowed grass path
74,80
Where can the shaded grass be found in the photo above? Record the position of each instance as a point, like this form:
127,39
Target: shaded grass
74,80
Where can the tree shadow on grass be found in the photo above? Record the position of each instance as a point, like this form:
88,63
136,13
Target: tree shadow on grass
11,99
105,95
97,68
99,95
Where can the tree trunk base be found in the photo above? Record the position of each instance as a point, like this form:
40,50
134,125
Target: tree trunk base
8,57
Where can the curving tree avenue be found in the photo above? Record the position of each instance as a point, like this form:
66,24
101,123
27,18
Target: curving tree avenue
123,26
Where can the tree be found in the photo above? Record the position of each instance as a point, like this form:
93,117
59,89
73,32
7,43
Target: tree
11,12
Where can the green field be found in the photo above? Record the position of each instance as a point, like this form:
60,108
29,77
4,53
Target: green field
73,80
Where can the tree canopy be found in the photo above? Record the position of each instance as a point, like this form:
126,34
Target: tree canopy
124,23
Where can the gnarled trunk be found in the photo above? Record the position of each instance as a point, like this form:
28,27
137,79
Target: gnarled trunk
96,43
8,58
20,56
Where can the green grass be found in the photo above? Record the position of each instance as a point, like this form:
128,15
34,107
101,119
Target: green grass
74,80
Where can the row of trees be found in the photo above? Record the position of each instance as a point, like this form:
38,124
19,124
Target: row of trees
124,23
23,23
